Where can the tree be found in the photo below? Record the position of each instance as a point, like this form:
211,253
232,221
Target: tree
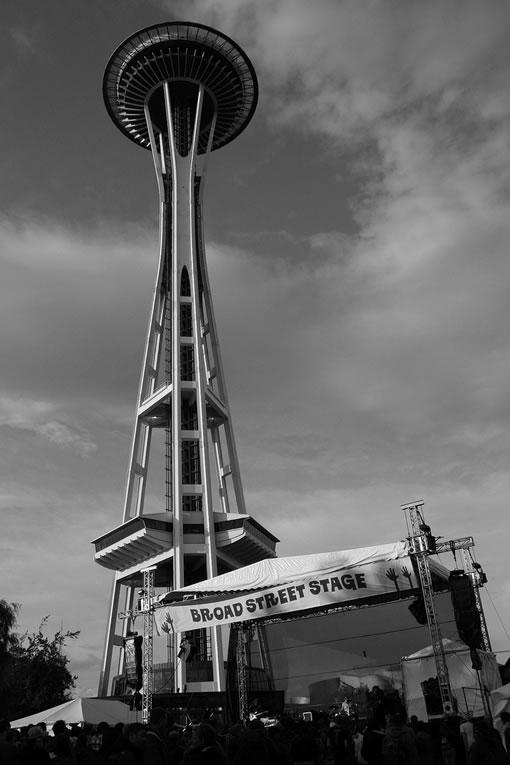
34,674
8,613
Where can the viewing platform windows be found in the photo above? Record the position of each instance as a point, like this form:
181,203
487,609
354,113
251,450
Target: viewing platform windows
187,363
192,503
190,451
186,320
189,416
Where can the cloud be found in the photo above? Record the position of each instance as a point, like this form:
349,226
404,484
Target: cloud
100,280
37,416
24,40
417,301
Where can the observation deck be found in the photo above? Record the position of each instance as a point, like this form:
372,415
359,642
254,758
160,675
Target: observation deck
137,543
186,55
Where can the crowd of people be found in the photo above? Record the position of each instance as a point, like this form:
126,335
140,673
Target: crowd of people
322,741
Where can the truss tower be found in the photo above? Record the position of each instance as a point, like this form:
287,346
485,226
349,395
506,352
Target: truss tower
180,90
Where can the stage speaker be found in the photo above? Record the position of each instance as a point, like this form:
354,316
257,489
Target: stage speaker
417,609
133,660
432,696
467,617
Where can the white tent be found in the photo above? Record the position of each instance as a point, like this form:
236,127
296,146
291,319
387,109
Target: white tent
81,710
500,699
500,702
279,571
464,682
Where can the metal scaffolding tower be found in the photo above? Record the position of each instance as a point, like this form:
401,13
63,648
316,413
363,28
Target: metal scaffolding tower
147,607
421,544
243,632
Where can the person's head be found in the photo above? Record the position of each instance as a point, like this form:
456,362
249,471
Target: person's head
37,736
482,729
60,728
173,739
203,735
94,741
159,720
135,734
396,721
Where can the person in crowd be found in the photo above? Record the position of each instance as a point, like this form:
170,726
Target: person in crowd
467,733
487,748
280,744
109,736
305,747
252,746
413,722
128,748
377,707
426,744
155,750
448,753
89,748
341,743
34,751
371,748
60,728
175,747
232,739
62,751
399,744
9,754
204,748
357,738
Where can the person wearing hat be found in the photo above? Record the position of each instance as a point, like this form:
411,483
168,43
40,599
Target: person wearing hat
34,751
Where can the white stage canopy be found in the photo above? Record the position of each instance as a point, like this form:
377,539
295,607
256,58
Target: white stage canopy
279,586
81,710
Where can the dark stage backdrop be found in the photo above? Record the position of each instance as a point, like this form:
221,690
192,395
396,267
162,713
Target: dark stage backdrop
309,656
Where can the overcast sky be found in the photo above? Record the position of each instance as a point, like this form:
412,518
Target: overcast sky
357,241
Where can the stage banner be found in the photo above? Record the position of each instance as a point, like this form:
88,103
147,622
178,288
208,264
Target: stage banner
335,588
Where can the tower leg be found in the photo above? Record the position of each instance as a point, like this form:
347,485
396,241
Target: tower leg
112,640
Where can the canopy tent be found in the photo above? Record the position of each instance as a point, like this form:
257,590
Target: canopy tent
279,586
500,702
420,667
278,571
81,710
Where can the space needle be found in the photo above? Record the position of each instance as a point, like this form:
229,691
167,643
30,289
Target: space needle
180,90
